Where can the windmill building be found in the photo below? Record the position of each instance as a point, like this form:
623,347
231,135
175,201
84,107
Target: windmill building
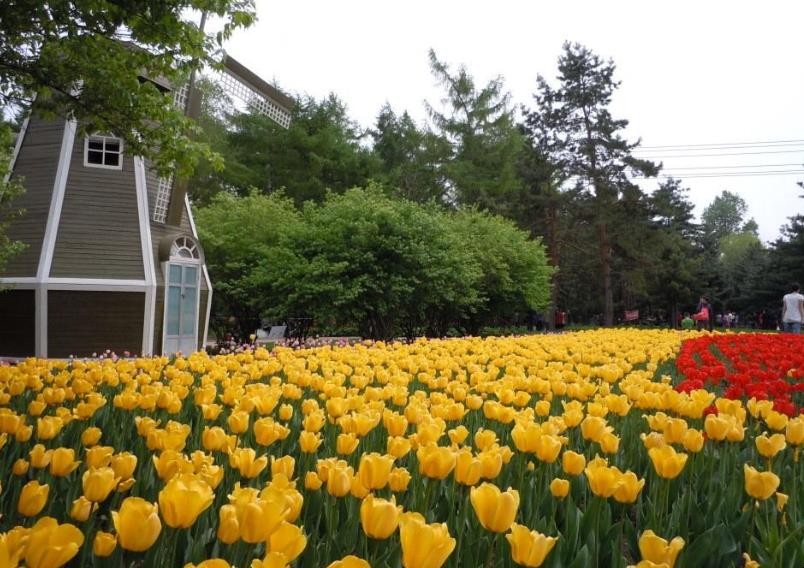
112,259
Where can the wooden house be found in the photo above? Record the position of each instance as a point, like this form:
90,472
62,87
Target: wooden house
113,259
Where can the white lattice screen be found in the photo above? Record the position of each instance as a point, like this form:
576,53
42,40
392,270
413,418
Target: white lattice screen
236,88
162,201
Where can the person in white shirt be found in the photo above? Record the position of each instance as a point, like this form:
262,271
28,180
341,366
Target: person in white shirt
793,310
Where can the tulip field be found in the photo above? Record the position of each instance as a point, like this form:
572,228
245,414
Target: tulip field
606,448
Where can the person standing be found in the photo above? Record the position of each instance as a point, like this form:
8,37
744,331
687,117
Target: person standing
792,310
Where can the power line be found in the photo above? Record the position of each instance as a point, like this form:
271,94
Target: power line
666,156
725,174
797,165
712,145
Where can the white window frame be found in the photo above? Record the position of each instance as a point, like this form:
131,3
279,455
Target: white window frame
87,164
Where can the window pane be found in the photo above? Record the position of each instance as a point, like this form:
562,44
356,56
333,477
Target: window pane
175,274
188,311
95,144
94,157
113,145
190,274
173,304
112,159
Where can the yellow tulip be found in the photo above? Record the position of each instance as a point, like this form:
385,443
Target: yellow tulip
124,465
603,481
289,540
760,485
573,463
717,427
379,517
395,424
210,563
749,563
559,488
399,479
20,466
667,462
312,481
593,428
245,460
238,422
657,550
183,499
436,462
104,544
776,420
262,517
99,483
346,444
99,456
781,501
693,440
398,447
271,560
40,458
374,470
81,508
496,510
267,431
285,412
794,431
228,525
32,498
423,545
349,562
137,524
491,463
284,465
628,488
91,436
309,442
468,467
609,443
339,481
51,545
526,437
484,439
770,446
63,462
213,439
548,448
529,548
458,435
48,427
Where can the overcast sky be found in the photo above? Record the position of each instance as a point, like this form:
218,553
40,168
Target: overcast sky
692,73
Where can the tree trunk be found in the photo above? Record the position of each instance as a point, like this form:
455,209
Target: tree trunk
553,254
604,249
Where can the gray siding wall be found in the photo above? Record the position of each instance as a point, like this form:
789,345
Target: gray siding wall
98,234
83,323
36,164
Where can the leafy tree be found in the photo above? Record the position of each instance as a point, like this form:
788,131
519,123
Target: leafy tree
726,216
742,264
320,151
514,272
9,191
583,140
480,125
675,279
246,250
410,159
84,58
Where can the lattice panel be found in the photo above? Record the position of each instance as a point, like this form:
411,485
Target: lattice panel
236,88
162,201
180,96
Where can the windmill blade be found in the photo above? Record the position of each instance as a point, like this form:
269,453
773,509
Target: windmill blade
242,84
